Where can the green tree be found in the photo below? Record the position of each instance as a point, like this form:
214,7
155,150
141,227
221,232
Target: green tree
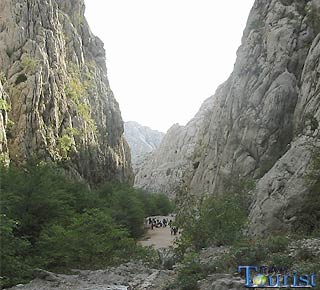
92,240
218,221
13,255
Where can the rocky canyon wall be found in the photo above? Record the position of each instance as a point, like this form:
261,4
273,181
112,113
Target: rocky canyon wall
57,104
259,124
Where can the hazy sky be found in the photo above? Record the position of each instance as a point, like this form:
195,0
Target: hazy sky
165,57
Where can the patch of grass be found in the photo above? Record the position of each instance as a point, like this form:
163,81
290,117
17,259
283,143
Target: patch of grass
65,146
29,64
4,105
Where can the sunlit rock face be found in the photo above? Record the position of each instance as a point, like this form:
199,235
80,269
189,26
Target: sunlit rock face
142,140
260,122
163,170
55,80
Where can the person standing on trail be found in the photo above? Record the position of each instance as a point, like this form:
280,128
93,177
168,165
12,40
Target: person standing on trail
164,222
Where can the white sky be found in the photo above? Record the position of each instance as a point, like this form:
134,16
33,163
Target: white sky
165,57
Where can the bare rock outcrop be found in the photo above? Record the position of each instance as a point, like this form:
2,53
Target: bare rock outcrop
259,118
62,107
128,276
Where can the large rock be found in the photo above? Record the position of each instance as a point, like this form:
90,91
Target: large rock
128,276
222,282
62,107
256,119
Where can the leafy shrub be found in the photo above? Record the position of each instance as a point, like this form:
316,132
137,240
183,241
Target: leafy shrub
65,146
4,105
80,81
75,89
190,272
219,221
29,64
52,222
92,240
277,244
12,254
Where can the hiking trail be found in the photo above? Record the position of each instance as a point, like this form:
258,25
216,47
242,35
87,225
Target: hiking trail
159,237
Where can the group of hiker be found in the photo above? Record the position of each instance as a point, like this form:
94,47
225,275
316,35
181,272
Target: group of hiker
158,223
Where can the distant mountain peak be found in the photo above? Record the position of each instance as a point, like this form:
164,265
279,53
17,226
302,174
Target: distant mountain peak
142,140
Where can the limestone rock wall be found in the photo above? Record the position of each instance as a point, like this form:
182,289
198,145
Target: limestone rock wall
142,140
62,107
164,169
260,120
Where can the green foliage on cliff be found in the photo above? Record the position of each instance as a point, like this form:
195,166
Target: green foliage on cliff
4,105
29,64
80,83
51,222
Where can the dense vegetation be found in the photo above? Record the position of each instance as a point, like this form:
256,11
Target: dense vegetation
221,221
49,221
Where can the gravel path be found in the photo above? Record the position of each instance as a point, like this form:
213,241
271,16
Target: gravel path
159,237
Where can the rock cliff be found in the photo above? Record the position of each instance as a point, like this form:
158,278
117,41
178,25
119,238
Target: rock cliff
142,140
261,121
56,100
163,170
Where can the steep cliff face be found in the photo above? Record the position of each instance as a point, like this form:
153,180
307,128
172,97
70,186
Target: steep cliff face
164,169
142,140
261,116
55,77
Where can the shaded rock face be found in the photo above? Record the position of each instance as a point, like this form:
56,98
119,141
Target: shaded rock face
62,107
258,120
142,140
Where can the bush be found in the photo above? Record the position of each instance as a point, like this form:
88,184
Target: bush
130,206
91,241
4,105
55,223
29,64
219,221
14,267
190,272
